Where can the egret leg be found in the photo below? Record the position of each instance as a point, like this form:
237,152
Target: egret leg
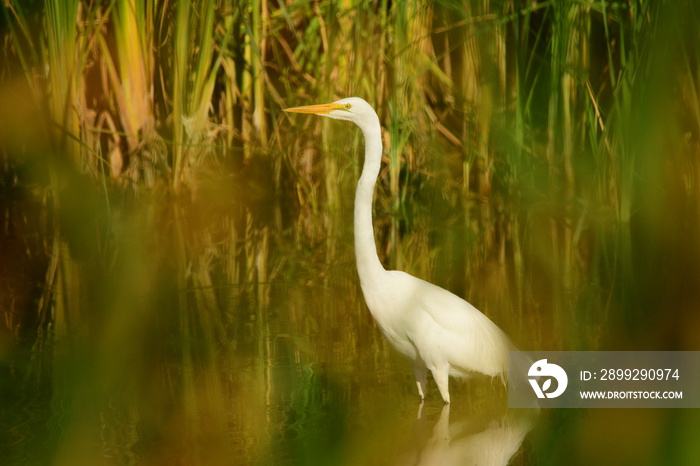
421,374
441,376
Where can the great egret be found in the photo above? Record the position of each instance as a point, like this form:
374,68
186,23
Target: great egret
436,329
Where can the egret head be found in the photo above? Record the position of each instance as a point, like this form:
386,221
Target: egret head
351,109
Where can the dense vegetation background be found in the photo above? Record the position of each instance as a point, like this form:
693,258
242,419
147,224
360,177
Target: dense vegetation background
541,159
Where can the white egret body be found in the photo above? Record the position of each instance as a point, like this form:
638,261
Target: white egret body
436,329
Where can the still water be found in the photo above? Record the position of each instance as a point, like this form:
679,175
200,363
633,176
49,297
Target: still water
304,379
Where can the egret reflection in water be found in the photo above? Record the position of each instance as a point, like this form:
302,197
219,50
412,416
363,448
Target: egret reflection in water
490,439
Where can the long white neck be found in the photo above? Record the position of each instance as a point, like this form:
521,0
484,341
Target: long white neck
368,265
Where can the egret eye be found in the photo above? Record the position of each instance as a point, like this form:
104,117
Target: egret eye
347,106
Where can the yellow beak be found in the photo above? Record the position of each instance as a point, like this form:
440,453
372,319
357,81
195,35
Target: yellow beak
319,109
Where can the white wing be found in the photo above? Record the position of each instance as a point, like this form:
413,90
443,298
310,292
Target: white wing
443,328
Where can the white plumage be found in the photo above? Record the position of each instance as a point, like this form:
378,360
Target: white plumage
436,329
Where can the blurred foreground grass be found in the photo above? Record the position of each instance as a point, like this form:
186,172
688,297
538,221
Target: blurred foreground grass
541,160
